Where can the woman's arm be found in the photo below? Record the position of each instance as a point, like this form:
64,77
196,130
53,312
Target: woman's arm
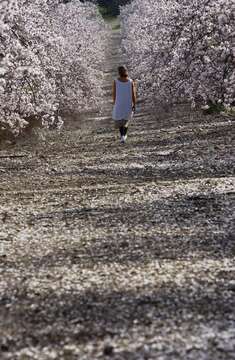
114,92
133,94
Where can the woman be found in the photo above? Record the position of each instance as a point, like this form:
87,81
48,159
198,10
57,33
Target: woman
124,100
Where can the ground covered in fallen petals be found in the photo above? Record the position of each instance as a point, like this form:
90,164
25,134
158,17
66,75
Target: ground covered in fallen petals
113,251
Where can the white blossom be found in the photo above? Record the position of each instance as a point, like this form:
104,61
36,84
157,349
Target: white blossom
181,49
51,58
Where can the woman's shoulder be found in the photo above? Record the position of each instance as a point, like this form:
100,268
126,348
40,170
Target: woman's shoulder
129,80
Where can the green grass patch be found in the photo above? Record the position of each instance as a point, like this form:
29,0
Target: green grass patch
115,23
109,18
217,108
213,108
104,11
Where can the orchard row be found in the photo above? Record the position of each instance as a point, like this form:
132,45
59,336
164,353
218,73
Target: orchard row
51,57
182,49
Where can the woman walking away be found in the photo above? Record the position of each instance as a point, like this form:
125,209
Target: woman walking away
124,100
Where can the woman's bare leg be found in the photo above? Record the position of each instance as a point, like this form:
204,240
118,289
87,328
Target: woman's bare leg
125,130
122,130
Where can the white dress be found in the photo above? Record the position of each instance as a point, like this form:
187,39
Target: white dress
122,109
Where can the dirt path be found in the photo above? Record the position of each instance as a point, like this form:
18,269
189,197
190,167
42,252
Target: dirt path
122,252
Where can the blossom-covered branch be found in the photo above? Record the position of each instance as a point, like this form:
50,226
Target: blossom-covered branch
182,49
50,60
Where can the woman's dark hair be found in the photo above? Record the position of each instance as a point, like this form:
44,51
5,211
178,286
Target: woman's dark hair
122,70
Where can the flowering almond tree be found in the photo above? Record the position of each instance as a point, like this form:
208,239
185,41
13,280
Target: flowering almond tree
182,49
50,61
